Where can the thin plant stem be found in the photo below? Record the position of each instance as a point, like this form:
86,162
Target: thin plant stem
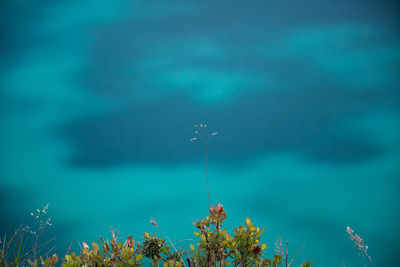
69,248
172,244
371,260
201,135
290,264
208,188
155,224
286,253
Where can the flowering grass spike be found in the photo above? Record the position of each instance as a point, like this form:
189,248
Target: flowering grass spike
204,134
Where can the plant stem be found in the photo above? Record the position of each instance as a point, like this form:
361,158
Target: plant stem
208,188
172,244
290,264
286,253
371,260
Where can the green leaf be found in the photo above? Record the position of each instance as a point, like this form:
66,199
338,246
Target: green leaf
68,258
95,247
139,257
277,259
191,247
165,249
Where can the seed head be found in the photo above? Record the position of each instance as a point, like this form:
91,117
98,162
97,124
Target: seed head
358,242
202,133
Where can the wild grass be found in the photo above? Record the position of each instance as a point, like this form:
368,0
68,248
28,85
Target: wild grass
23,246
202,133
359,243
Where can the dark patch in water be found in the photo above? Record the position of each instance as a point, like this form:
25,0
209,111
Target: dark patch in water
303,114
257,124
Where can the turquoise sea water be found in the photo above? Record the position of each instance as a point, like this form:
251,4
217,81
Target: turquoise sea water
98,101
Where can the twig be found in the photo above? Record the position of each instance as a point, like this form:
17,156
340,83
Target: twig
286,252
290,264
69,248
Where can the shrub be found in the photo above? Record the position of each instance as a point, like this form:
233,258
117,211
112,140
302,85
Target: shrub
215,248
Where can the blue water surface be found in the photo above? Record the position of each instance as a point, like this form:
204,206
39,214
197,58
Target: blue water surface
98,102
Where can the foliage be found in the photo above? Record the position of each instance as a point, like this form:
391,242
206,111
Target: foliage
215,248
218,248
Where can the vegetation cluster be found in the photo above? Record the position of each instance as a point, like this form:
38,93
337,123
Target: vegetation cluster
215,247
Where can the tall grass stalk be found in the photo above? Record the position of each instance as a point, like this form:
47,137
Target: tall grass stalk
23,247
208,187
204,135
359,244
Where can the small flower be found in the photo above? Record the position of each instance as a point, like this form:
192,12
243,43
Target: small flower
218,212
279,250
44,210
130,243
85,246
154,223
54,258
349,230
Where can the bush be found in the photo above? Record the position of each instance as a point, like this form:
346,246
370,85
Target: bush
215,248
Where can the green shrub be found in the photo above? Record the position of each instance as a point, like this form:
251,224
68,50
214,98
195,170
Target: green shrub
215,247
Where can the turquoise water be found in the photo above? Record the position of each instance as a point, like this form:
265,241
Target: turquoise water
99,99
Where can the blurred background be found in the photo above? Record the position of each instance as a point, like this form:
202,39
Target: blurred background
98,102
